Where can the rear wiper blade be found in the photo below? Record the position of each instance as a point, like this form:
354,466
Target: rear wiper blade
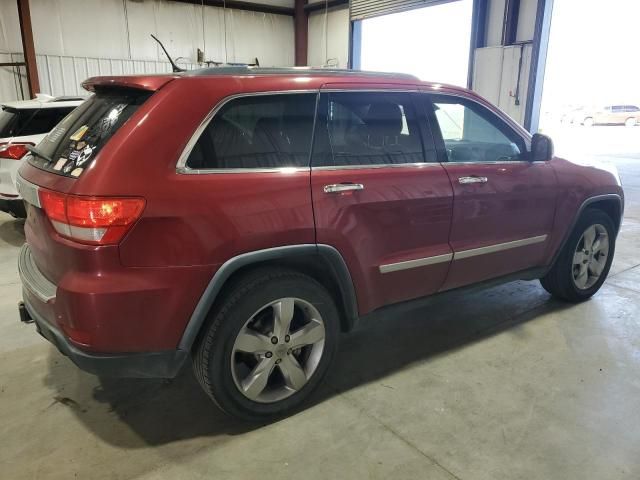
38,153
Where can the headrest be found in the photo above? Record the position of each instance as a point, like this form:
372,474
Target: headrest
385,117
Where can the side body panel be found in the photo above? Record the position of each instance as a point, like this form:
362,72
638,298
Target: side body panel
393,233
403,214
517,204
578,185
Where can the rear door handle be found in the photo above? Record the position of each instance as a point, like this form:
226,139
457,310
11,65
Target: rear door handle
342,187
473,179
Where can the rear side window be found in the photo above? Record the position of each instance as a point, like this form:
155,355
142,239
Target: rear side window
256,132
29,121
74,143
368,129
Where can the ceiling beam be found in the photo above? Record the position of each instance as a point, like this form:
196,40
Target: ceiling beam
314,7
242,5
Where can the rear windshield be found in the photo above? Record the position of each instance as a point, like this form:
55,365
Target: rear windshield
75,142
30,121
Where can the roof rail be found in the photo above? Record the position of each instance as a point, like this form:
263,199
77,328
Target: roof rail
247,70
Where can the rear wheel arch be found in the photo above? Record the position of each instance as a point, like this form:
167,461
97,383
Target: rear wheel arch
323,263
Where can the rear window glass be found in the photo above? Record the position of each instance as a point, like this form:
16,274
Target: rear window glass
30,121
75,142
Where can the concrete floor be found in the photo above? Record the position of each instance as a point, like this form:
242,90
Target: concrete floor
505,384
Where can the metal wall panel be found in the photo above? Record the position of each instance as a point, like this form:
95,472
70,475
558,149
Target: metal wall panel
61,75
361,9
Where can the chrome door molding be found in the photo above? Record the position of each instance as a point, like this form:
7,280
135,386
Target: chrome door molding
418,262
498,247
460,255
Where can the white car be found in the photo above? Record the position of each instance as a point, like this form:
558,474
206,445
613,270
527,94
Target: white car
24,123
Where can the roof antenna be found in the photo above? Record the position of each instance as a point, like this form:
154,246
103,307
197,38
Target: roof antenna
175,67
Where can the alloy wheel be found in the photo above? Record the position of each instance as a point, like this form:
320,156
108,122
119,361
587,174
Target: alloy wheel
277,350
590,256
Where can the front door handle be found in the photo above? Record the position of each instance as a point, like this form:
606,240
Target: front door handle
342,187
473,179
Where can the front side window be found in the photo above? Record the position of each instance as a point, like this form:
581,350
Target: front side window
368,128
264,131
471,133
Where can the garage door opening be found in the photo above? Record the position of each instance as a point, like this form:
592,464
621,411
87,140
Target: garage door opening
591,96
431,42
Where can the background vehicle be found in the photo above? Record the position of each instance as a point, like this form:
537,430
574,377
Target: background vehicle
25,123
242,217
628,115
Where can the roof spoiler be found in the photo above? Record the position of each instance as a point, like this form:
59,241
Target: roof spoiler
138,82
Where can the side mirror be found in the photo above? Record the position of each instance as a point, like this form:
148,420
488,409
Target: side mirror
541,148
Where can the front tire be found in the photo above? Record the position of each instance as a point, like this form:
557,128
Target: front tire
268,345
584,263
588,122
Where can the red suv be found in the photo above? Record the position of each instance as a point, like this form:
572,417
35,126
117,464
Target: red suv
243,217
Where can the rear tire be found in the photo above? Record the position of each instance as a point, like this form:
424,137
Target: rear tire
248,359
630,122
583,265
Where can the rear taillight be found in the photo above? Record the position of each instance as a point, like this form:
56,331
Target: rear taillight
91,220
14,151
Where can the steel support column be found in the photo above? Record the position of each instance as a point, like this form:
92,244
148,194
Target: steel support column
538,64
301,32
29,51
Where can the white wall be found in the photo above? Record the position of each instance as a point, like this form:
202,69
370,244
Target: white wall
113,36
495,73
332,45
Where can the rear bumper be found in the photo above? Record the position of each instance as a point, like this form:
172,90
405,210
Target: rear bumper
165,364
39,299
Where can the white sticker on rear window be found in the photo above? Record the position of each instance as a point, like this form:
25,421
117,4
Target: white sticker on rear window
59,164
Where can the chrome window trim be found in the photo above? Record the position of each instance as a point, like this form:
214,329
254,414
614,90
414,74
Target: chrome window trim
377,165
493,162
498,247
418,262
201,171
28,191
181,166
32,279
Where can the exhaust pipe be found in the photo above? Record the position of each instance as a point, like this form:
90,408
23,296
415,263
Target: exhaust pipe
24,313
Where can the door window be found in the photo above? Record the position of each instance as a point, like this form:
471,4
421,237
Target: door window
471,133
368,129
265,131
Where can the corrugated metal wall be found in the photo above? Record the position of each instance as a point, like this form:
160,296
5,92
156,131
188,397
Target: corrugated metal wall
62,75
75,39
